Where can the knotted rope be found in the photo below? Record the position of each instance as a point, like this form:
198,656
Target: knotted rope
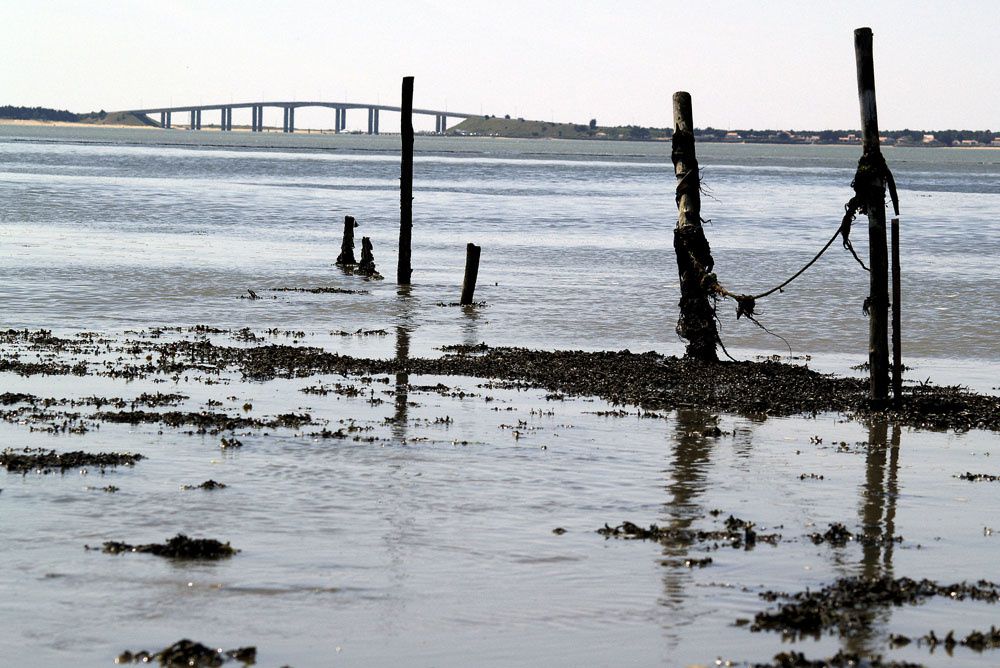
868,186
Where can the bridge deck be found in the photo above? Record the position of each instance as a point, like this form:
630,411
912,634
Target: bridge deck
294,105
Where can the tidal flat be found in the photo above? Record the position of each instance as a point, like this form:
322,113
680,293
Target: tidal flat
376,510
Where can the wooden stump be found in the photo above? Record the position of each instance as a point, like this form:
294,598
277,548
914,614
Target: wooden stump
367,265
346,256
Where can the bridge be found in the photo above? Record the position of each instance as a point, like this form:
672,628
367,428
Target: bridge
257,114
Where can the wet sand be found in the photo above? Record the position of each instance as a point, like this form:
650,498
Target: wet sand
223,395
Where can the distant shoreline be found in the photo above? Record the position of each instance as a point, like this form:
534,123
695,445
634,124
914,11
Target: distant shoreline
70,124
127,126
702,139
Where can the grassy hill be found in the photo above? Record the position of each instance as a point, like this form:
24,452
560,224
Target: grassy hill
494,126
116,118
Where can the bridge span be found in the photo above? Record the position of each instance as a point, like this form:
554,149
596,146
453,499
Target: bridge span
288,124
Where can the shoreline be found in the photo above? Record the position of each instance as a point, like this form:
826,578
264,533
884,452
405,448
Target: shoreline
330,131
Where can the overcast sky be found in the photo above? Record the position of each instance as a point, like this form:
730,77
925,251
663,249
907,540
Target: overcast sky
787,65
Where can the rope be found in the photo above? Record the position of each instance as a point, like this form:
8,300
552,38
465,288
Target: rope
867,184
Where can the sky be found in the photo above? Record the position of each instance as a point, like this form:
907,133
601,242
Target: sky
760,65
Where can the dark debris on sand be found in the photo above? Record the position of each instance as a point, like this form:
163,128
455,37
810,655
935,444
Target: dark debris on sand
845,605
977,641
978,477
323,291
178,547
837,535
205,422
737,533
190,654
26,460
649,380
207,485
42,368
841,659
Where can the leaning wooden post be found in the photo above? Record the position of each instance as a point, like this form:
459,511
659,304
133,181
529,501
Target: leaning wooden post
346,256
471,273
696,323
403,269
897,352
878,326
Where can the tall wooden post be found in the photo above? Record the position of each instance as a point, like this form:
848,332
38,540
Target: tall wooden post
897,306
696,322
403,269
878,321
472,252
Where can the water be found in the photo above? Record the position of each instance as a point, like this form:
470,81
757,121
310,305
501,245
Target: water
435,541
112,228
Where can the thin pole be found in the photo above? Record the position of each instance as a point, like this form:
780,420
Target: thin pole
403,269
897,347
878,322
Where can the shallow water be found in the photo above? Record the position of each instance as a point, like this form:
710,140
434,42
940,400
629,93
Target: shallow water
434,541
118,228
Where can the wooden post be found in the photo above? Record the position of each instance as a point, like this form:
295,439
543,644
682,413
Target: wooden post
696,322
367,266
403,268
346,256
878,325
471,273
897,347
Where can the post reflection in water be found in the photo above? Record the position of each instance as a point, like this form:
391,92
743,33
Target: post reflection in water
403,330
878,517
470,325
398,511
687,471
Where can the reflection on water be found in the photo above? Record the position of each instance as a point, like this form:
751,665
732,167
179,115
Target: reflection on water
470,325
402,384
878,502
688,466
687,471
877,513
403,329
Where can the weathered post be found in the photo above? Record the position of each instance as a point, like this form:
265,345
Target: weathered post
872,170
403,268
471,273
346,256
367,265
897,346
696,323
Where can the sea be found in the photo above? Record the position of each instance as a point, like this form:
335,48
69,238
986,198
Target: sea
433,544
